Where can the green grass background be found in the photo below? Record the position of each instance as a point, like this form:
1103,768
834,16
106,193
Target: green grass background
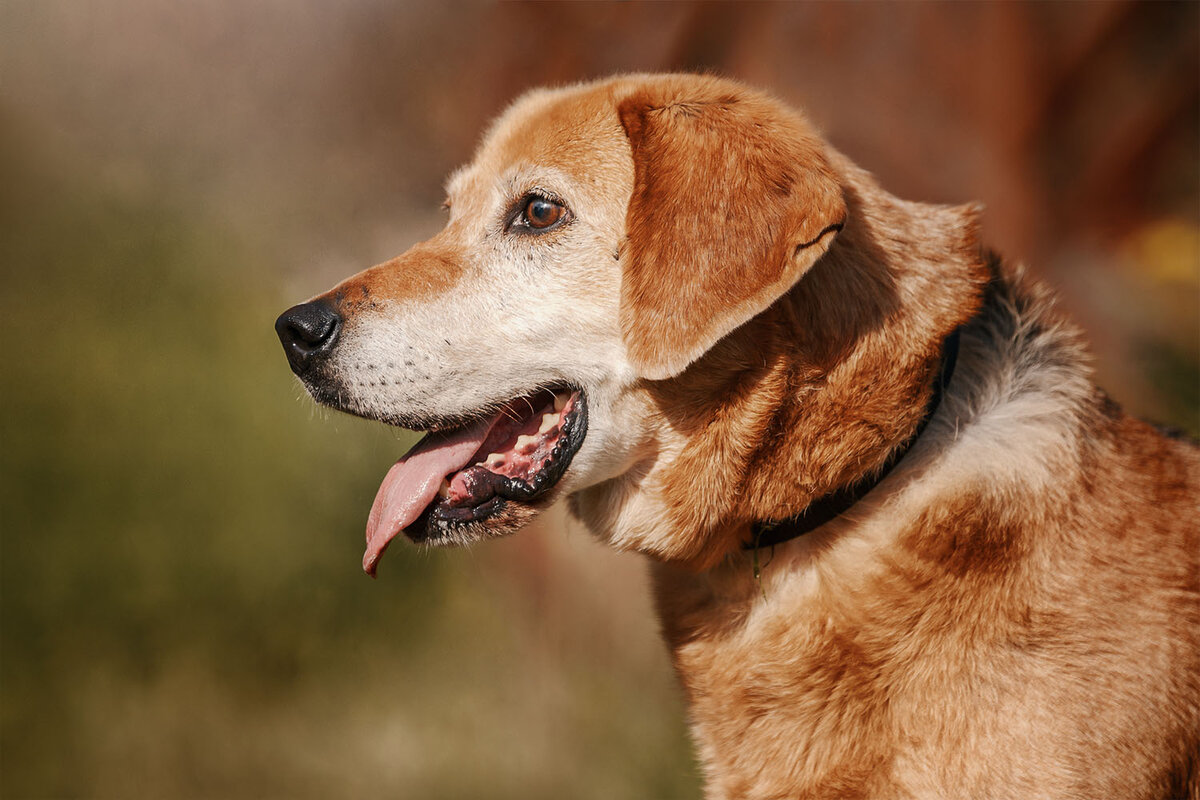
182,613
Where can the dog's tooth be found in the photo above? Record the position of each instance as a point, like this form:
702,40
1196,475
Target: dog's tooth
444,489
526,444
560,402
548,422
494,460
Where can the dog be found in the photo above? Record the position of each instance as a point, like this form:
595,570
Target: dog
901,546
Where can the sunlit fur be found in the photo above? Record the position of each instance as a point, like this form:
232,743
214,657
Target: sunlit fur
1014,612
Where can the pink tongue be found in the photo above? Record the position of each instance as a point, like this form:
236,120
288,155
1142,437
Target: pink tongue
412,482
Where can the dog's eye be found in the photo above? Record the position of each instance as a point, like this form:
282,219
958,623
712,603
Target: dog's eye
540,213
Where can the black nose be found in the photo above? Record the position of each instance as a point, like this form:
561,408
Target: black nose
308,332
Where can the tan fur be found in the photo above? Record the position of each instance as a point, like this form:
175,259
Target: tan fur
426,270
715,235
1014,612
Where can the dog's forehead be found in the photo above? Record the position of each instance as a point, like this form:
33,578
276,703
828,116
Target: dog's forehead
575,132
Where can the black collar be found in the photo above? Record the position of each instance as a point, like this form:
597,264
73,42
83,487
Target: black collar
834,504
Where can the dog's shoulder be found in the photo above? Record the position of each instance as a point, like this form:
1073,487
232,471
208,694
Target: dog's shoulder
1026,431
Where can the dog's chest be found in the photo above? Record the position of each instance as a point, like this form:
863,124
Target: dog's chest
781,696
795,689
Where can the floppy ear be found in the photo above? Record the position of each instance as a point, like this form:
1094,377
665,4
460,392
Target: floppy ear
733,201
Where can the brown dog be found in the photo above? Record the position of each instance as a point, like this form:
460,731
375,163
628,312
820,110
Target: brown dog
903,547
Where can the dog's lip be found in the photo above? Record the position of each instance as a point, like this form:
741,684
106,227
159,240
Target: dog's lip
454,477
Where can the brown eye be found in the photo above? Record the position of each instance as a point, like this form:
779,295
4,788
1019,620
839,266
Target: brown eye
540,213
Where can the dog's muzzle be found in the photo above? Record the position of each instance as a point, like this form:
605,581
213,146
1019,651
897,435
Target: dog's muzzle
308,332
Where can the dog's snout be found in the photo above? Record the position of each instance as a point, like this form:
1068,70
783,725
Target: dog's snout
308,332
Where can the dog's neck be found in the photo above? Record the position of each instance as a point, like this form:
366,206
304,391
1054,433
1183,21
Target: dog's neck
840,374
768,533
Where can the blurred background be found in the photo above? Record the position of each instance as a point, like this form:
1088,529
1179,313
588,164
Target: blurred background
182,612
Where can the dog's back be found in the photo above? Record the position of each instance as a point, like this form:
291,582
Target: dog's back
1015,612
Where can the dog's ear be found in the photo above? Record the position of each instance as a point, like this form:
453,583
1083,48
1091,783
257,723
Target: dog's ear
733,201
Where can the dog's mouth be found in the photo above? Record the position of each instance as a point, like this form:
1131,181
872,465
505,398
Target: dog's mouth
465,477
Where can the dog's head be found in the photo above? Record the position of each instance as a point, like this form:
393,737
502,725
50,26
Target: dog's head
603,240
